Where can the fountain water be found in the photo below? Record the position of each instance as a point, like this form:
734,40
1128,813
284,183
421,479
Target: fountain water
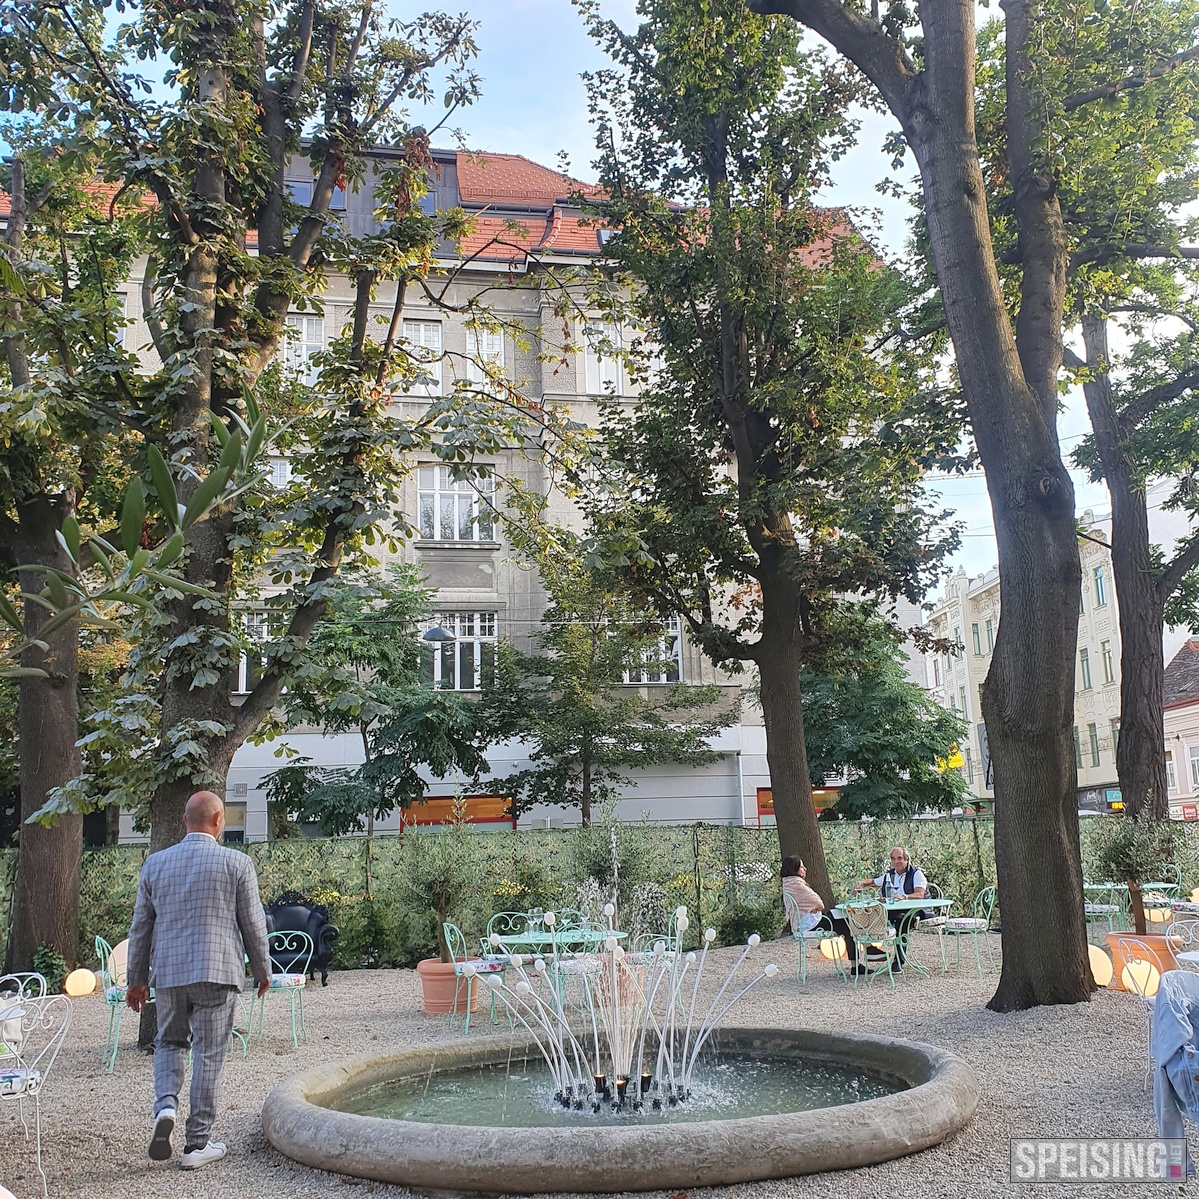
632,1032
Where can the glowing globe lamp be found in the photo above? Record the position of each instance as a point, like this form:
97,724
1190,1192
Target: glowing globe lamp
79,982
1101,966
1141,978
832,948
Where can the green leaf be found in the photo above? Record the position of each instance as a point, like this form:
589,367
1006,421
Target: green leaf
231,454
178,584
218,427
70,537
133,517
205,495
10,615
164,484
170,552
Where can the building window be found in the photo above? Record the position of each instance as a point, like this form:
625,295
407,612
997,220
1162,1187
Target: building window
1100,588
1084,663
990,636
957,638
1194,755
662,663
1171,778
458,665
936,672
1081,604
424,345
953,703
453,508
1093,736
300,191
1109,665
601,353
1077,749
1115,727
962,694
253,656
235,823
969,765
305,338
278,471
977,639
947,666
485,348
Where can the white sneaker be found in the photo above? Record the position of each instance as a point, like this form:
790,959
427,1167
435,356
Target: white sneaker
163,1128
193,1159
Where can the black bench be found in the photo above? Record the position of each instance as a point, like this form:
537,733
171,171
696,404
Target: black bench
291,912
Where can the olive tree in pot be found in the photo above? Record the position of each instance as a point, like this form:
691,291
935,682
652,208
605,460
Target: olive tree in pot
443,869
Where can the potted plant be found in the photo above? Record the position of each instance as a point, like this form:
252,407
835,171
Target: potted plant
440,875
1135,851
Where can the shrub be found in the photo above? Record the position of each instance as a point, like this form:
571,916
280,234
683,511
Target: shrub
735,926
52,966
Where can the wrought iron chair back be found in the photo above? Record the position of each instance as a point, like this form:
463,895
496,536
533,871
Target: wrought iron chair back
1141,975
506,924
290,952
21,984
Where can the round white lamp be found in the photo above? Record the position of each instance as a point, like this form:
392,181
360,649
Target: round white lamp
1141,978
77,984
832,948
1101,966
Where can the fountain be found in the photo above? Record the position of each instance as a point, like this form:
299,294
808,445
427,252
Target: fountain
620,1075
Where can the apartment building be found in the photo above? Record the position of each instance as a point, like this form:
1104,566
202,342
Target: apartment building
527,239
967,616
1180,713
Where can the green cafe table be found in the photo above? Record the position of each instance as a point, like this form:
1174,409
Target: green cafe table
905,926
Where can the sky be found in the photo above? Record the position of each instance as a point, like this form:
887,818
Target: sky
532,53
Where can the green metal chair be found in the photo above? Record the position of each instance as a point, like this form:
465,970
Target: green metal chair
504,924
1102,906
464,979
935,925
975,927
802,939
872,934
1158,898
291,957
113,985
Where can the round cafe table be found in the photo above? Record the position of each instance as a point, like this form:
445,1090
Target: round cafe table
904,929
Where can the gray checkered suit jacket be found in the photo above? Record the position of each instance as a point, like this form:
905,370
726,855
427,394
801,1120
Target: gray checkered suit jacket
197,909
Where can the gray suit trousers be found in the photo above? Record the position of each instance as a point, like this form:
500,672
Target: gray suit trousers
200,1016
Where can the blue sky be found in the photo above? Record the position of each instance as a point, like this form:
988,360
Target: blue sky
532,53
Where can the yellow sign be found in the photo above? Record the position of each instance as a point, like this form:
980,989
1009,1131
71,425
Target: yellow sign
955,761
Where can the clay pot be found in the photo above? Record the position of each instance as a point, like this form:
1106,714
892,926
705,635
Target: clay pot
439,984
1158,945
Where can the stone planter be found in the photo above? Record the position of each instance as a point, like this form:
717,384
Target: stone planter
1158,945
439,984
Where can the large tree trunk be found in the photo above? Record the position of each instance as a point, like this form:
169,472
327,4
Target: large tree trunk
1141,753
46,897
786,753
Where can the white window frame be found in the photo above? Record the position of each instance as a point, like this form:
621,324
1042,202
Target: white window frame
1109,663
1100,587
303,340
300,191
483,346
603,374
668,649
279,471
255,629
1171,777
1093,741
990,636
235,821
962,696
976,637
458,665
1084,668
1193,754
454,508
425,346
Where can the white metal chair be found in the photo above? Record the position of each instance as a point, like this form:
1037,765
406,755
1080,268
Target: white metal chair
935,925
1141,974
802,938
33,1028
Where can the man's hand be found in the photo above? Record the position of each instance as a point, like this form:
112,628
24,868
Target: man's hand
263,987
137,997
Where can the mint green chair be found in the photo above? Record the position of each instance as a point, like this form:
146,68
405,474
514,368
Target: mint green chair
113,985
466,982
873,935
975,926
291,958
803,939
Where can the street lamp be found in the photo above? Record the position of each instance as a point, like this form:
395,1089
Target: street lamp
438,635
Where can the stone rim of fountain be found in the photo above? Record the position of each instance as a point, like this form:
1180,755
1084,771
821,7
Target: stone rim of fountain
943,1096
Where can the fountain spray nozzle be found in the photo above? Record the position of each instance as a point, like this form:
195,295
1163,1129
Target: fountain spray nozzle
622,1085
646,1081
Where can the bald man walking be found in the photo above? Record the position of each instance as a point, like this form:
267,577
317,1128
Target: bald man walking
198,915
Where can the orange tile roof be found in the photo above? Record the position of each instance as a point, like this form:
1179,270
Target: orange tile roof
512,179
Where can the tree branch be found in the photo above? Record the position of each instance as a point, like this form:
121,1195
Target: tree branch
1106,251
1111,89
1137,409
157,333
1184,561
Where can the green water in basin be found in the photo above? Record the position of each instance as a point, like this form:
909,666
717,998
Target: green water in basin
522,1095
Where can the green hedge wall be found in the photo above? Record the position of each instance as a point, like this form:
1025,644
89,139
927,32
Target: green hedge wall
719,872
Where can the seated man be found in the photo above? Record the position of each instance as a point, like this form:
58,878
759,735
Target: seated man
902,881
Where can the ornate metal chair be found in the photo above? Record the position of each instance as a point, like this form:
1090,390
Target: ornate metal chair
872,935
802,939
934,925
1141,974
292,912
113,985
291,958
37,1026
975,927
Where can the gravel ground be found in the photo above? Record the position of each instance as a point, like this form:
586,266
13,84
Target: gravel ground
1058,1072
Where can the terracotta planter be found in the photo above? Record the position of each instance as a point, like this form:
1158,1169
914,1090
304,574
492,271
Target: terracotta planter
439,984
1158,945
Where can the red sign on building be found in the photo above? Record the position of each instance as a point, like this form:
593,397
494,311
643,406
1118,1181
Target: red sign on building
1190,811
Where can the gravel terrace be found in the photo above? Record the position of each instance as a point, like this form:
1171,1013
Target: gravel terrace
1059,1072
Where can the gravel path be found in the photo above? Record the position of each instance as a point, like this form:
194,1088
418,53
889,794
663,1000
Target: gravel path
1058,1072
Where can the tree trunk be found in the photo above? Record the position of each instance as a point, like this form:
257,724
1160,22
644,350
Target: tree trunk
786,754
1141,751
46,896
1028,697
1136,902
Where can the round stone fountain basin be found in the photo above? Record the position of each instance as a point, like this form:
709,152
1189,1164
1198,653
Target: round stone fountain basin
300,1119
